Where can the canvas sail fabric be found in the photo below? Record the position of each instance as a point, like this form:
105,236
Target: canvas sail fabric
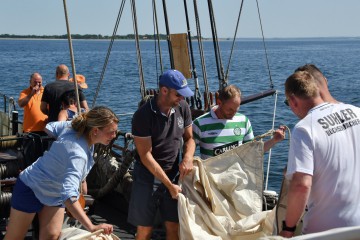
73,233
222,197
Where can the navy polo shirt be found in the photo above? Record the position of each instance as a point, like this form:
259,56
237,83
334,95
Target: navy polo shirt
165,132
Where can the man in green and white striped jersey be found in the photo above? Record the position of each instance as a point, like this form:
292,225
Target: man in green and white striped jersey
224,128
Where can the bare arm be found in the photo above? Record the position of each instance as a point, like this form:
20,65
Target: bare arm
44,108
84,105
78,213
24,100
186,165
144,148
298,195
63,116
278,136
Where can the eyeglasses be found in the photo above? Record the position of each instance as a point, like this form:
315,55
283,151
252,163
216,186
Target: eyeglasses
286,101
176,93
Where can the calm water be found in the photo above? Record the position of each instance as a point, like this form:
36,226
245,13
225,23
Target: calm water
338,58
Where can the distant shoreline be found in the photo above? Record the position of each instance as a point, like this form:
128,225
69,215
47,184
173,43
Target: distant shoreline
83,37
147,37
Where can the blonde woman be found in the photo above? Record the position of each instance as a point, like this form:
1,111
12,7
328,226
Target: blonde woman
52,182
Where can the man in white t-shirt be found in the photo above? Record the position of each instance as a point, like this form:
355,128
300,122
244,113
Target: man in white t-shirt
323,165
320,80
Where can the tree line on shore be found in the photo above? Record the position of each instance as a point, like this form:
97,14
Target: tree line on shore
86,36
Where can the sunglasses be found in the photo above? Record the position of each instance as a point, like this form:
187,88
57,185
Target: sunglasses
176,93
286,101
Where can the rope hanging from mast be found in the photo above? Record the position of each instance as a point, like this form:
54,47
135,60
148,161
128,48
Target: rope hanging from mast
168,35
223,78
202,57
73,67
197,94
263,38
233,42
108,52
218,57
270,91
157,43
269,156
72,56
219,65
136,33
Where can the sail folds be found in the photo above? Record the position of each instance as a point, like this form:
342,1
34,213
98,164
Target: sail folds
222,197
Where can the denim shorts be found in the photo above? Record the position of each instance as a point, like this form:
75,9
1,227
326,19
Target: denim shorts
148,196
24,199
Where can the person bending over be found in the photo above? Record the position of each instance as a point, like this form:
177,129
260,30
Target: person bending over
52,182
159,127
323,166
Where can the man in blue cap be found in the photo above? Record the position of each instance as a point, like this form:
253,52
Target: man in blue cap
158,127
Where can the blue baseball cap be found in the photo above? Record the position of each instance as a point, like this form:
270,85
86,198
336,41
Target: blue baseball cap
175,80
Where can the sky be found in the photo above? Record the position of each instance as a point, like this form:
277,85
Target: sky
279,18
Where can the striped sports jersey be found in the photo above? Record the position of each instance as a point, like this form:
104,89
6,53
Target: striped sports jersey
216,136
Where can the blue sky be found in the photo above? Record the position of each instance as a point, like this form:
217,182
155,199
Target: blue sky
280,18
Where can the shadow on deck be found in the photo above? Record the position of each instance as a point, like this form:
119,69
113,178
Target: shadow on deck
112,209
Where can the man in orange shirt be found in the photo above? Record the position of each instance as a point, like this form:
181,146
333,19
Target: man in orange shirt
30,100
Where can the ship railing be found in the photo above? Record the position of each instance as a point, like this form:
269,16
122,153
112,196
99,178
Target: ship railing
9,116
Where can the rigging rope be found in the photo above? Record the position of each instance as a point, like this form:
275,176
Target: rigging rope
72,56
136,33
269,156
270,133
197,94
219,65
156,36
233,42
201,50
73,66
108,52
168,35
271,86
266,55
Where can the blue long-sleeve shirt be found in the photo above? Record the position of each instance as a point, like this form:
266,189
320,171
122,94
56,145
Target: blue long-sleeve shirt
56,176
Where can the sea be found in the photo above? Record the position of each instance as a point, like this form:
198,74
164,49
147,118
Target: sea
254,66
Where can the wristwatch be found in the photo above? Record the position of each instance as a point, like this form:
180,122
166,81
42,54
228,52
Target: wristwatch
286,228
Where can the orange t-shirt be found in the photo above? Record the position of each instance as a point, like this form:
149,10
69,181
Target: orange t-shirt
34,119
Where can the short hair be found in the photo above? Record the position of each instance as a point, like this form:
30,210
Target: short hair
33,75
62,70
302,84
69,98
229,92
314,71
311,68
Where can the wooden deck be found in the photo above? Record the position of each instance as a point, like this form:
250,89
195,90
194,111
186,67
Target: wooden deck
112,209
